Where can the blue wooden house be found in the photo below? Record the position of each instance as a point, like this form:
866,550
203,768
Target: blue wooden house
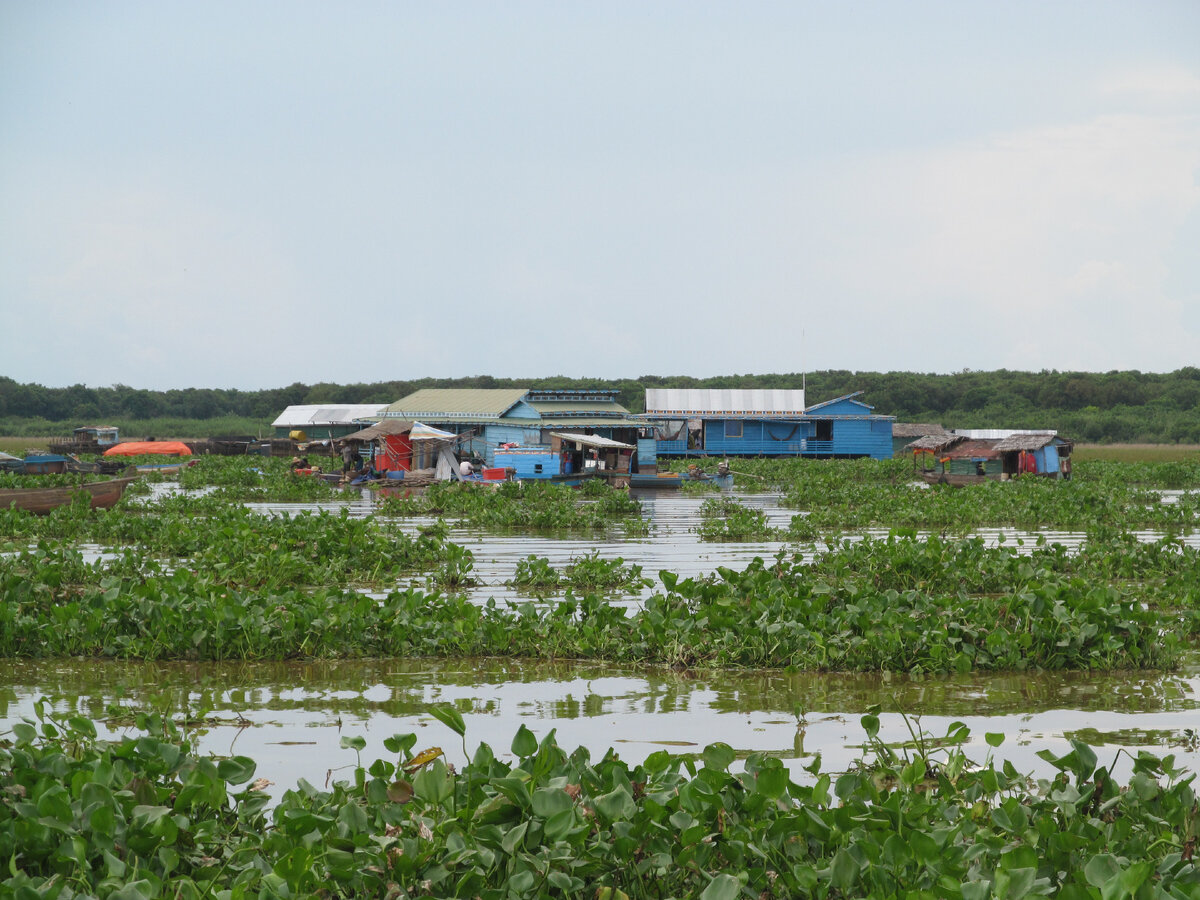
494,418
761,423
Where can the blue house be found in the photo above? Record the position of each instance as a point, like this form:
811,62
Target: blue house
492,418
761,423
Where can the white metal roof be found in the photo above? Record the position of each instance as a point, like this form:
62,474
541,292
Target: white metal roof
733,401
998,434
592,440
326,414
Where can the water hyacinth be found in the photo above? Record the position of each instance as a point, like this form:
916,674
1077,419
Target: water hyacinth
145,816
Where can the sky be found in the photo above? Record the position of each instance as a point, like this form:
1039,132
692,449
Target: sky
251,194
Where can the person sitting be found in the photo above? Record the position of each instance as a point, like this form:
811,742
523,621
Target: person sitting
299,463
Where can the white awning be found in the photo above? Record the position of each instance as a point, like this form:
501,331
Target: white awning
421,432
592,440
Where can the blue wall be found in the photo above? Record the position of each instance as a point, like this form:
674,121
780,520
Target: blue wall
797,437
529,463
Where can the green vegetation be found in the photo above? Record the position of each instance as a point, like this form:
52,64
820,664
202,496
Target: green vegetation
1093,407
237,590
588,573
525,506
147,817
725,519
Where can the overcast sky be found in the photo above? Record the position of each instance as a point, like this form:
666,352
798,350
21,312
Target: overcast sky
249,194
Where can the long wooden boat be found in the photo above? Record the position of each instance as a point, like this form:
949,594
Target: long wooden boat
41,501
955,479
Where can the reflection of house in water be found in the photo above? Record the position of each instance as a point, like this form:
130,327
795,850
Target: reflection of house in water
976,455
741,423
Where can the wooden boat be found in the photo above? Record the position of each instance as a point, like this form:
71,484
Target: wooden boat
662,480
955,479
40,501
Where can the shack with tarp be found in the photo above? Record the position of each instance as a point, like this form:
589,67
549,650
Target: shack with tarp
393,447
971,455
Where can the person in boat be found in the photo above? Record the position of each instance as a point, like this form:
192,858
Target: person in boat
350,456
465,469
299,462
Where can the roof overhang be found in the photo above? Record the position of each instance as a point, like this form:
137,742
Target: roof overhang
592,440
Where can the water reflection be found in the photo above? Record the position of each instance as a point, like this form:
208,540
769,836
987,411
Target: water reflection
291,716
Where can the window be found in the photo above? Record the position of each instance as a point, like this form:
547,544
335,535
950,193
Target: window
733,428
824,430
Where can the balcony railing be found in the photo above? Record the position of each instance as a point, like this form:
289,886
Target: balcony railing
747,448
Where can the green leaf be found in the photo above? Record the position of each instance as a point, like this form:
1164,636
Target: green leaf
450,717
615,805
723,887
236,769
772,782
550,801
524,743
718,756
844,871
994,738
400,743
1100,869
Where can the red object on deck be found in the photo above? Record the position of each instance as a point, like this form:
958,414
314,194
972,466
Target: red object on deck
146,448
496,474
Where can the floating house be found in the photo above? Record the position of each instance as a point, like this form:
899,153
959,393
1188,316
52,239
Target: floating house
322,422
569,458
489,419
741,423
971,455
396,445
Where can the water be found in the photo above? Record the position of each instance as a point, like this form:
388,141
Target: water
290,717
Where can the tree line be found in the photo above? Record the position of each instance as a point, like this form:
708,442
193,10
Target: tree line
1117,406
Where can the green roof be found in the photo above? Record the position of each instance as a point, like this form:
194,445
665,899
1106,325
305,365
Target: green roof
457,403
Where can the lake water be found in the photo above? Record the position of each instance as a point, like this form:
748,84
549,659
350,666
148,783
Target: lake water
290,717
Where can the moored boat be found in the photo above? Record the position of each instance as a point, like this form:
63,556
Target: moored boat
40,501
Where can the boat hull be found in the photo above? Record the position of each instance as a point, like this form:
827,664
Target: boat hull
40,501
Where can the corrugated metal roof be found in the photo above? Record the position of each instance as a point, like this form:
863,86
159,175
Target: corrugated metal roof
325,414
733,401
458,404
593,440
997,434
383,429
850,396
580,422
547,408
983,449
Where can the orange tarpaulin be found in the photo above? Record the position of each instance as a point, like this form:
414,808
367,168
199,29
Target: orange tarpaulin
145,448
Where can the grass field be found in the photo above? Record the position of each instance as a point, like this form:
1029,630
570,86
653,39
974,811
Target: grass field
1136,452
18,445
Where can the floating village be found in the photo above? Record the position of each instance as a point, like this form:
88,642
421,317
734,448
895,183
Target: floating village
565,436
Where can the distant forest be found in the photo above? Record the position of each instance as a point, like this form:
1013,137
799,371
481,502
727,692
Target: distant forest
1093,407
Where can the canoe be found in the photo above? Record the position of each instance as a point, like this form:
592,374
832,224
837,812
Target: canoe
40,501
